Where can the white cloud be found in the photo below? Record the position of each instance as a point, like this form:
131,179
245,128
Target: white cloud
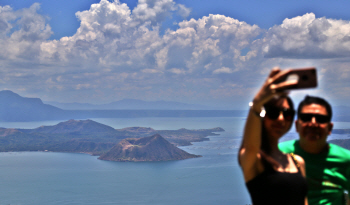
223,70
151,71
113,37
308,37
83,86
183,10
118,53
22,32
154,11
211,42
177,71
6,15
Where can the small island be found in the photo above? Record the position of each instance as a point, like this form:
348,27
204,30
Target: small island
153,148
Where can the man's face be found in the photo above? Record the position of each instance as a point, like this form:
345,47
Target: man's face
311,131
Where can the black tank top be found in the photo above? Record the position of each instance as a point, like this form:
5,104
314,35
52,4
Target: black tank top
278,188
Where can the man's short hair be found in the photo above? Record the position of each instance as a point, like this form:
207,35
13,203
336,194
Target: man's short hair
308,100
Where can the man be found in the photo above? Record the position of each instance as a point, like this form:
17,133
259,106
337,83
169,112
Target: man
327,165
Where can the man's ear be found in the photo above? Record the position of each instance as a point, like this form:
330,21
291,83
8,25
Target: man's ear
296,125
330,127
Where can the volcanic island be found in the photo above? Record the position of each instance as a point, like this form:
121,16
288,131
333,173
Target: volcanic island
90,137
153,148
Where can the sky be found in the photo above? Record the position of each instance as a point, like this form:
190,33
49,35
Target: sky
215,53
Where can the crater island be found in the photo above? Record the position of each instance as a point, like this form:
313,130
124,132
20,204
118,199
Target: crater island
88,136
153,148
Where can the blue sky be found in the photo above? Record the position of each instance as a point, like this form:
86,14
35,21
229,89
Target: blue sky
207,52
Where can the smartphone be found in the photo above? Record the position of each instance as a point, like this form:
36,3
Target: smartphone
306,77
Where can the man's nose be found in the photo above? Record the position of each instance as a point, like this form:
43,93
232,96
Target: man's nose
313,120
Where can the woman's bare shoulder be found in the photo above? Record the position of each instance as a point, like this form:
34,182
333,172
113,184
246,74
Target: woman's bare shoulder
299,159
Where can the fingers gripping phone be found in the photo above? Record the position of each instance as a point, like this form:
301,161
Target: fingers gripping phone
306,77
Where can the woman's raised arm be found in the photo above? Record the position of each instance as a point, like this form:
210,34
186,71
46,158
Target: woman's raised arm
249,151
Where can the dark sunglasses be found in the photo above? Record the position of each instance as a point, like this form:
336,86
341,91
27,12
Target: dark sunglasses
274,112
305,117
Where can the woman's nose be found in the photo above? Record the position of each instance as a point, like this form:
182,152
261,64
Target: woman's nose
280,116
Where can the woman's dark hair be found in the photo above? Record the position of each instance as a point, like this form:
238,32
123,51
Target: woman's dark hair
265,144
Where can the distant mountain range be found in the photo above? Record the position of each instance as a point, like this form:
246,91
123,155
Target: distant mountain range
15,108
132,104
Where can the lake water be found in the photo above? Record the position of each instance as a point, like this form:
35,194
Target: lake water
35,178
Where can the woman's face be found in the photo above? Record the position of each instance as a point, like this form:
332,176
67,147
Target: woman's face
276,128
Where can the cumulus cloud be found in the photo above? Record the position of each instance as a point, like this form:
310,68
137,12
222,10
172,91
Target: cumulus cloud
112,36
154,11
308,37
223,70
183,11
120,53
6,15
207,44
22,32
177,71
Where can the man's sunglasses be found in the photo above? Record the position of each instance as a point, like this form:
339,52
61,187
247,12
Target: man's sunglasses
305,117
274,112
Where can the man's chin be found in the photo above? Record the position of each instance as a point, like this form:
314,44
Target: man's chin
312,138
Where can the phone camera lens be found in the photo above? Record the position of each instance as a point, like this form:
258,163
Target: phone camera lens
304,77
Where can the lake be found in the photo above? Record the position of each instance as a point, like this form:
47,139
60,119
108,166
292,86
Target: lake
32,178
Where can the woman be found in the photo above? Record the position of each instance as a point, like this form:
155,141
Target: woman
271,176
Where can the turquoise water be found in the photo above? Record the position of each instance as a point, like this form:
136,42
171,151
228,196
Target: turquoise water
34,178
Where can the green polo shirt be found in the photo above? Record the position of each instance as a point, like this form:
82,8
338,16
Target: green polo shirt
327,174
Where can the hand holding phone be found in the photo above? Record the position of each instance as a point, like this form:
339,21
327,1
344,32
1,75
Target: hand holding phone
278,82
306,78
